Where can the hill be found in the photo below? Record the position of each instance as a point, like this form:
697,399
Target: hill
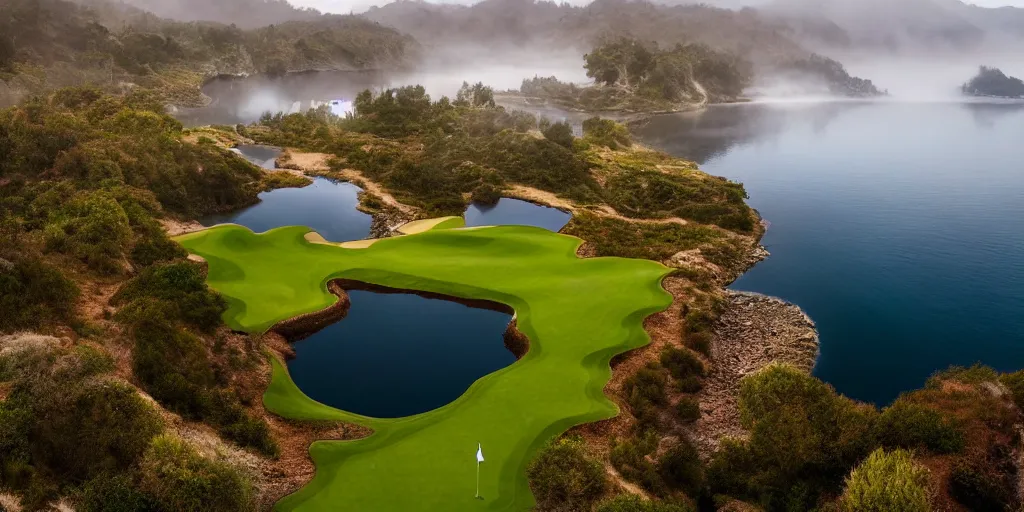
47,44
992,82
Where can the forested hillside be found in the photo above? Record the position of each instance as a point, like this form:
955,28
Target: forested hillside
47,44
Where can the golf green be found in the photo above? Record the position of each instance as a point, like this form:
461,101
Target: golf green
578,313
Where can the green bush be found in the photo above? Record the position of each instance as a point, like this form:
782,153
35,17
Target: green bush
1015,383
887,482
563,478
645,393
486,194
630,458
182,291
64,421
605,132
94,228
981,486
804,439
681,363
691,384
634,503
681,469
560,133
688,410
652,241
180,479
33,294
114,493
909,425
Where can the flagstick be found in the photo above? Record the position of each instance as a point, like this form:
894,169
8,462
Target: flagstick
477,479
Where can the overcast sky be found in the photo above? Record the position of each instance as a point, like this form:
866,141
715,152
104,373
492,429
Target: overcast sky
346,6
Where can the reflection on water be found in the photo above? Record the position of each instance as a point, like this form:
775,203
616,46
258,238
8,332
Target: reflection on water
326,206
515,212
397,355
263,156
898,227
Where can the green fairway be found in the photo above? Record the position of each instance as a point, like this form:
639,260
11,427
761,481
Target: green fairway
577,313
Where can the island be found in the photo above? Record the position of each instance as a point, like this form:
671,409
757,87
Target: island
631,76
993,83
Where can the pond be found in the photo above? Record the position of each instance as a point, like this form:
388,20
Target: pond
513,212
904,244
398,354
327,206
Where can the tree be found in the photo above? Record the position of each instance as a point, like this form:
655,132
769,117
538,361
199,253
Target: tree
887,482
624,62
560,133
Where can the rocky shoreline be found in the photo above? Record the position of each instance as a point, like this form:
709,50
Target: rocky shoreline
754,331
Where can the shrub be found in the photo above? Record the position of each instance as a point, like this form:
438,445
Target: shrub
887,482
968,375
680,468
94,228
804,437
908,425
681,363
700,341
687,410
181,290
630,458
606,132
180,479
560,133
981,486
691,384
634,503
563,478
486,194
645,393
33,293
114,493
1015,383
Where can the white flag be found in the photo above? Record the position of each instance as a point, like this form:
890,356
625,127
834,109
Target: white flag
479,453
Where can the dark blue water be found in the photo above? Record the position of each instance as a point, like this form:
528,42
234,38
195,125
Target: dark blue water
898,227
396,355
512,212
326,206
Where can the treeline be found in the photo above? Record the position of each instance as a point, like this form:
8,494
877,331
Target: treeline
830,72
47,44
948,446
85,180
993,82
683,73
436,154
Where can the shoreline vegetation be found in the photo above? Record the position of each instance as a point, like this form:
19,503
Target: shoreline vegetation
93,180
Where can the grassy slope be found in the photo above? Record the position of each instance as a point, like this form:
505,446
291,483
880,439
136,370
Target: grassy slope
578,313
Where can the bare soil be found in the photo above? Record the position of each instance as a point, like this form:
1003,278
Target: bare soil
755,330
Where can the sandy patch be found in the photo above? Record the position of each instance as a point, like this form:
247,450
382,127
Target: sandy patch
300,161
374,188
419,226
538,196
178,227
10,502
359,244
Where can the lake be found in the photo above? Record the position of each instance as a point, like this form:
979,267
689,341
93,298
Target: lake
898,227
516,212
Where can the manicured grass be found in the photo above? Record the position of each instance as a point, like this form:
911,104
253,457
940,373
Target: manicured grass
578,313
